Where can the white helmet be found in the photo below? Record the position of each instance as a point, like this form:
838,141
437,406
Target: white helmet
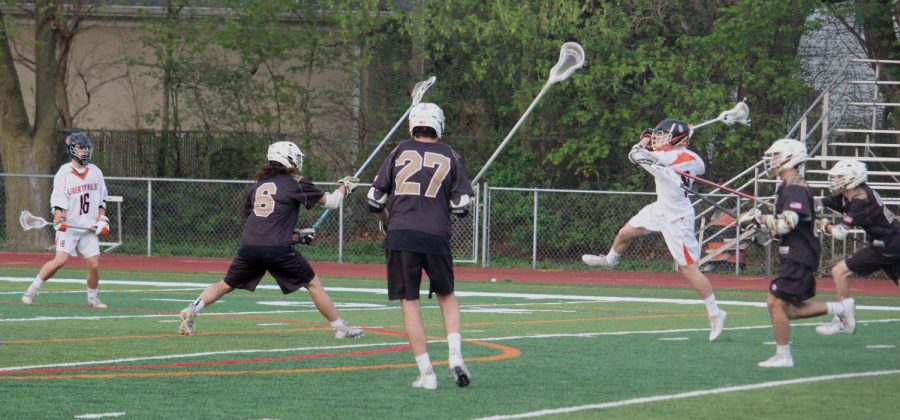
427,115
783,154
846,174
286,153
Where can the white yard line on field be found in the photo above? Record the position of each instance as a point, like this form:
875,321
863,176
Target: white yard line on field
692,394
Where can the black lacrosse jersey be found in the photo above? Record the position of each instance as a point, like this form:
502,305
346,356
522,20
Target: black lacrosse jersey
421,179
867,211
800,244
271,209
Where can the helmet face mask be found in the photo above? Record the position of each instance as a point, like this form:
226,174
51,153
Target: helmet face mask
669,134
287,154
783,154
427,114
80,147
845,175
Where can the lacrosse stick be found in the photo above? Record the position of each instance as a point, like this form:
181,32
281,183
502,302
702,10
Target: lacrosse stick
739,114
571,58
30,221
417,93
724,188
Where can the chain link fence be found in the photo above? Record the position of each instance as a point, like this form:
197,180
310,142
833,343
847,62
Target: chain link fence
509,227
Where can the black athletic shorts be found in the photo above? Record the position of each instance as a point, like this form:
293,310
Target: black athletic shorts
794,283
404,271
870,260
285,263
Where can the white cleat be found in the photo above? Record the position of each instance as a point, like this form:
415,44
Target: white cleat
95,303
778,360
461,375
349,332
30,294
832,327
849,315
595,260
716,325
187,316
427,380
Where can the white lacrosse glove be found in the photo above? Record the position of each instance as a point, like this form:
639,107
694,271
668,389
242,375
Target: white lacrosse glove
822,225
304,236
349,182
750,216
101,228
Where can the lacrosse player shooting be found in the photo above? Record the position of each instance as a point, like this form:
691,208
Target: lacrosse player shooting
418,186
78,205
270,212
661,151
794,222
860,206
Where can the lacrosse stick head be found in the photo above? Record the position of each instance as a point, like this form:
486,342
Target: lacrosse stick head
420,88
739,114
29,221
571,58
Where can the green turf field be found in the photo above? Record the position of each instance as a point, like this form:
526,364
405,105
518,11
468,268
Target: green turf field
567,351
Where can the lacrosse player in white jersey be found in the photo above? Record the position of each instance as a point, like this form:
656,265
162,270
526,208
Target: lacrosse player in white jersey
660,151
78,204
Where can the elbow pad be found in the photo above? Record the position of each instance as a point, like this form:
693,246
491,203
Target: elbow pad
376,200
839,232
461,205
333,200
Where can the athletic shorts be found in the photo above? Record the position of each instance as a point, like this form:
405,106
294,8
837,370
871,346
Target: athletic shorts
678,234
404,272
74,242
794,284
290,270
870,260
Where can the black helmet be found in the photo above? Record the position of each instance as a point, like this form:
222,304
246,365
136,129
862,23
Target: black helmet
78,140
670,133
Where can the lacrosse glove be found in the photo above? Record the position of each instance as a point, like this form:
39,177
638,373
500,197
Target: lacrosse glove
349,182
101,228
304,236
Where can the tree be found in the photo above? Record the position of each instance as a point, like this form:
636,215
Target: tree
26,147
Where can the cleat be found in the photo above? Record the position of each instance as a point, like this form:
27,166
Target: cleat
716,325
95,303
461,375
349,332
28,297
849,316
832,327
595,260
427,380
187,320
778,360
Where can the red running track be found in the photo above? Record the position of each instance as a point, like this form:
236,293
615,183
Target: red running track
330,269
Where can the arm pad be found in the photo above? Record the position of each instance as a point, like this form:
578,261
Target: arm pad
333,200
461,205
781,224
376,200
839,232
642,156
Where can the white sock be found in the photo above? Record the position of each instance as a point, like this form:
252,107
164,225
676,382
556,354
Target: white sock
339,324
199,304
454,342
612,258
711,307
424,362
784,350
92,293
835,308
37,283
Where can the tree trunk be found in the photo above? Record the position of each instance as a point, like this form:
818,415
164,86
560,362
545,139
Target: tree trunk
28,150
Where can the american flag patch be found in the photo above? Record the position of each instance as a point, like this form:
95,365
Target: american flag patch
848,220
797,206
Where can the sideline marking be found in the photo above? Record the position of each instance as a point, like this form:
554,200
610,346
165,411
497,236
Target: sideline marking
99,415
872,346
692,394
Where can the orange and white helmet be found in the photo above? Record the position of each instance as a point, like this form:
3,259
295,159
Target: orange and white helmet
847,174
427,114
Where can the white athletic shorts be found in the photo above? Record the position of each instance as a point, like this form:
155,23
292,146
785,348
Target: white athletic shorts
85,243
678,234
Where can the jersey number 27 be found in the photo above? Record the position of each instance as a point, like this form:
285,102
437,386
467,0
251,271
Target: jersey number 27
414,162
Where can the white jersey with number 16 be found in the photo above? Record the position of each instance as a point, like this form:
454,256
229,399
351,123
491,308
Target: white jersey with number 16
80,194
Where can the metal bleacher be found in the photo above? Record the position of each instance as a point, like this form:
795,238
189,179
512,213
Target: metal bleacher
845,121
